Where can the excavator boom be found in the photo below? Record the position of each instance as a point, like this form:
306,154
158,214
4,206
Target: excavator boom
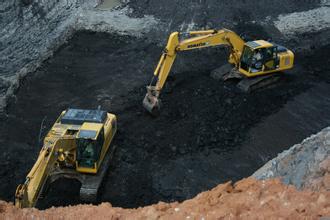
259,59
203,39
199,39
27,194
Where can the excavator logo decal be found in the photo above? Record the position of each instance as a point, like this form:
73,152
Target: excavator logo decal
198,45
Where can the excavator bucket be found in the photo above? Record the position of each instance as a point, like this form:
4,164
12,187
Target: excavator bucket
152,104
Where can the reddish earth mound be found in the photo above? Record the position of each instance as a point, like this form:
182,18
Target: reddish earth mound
247,199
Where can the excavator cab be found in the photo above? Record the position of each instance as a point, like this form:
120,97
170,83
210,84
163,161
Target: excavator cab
257,58
262,57
86,155
89,139
89,142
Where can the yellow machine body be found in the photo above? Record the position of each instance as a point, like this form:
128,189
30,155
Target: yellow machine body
61,151
107,140
285,60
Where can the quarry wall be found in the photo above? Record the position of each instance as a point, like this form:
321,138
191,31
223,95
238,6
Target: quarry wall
31,30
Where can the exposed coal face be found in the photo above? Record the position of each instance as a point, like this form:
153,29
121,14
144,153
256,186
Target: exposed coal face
196,142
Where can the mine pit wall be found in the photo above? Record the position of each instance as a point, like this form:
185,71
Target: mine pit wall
30,30
305,165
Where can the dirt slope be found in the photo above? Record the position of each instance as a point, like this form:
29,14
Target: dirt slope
248,199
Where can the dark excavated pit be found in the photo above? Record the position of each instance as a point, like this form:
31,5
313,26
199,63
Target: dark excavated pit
205,135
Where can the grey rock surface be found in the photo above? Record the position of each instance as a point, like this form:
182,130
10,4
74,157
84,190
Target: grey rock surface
115,21
307,21
30,31
299,165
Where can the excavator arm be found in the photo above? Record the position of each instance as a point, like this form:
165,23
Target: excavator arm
27,194
199,39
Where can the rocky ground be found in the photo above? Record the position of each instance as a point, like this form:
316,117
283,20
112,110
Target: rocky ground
304,165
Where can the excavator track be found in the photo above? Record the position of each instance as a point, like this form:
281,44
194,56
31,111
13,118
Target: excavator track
90,184
228,72
252,84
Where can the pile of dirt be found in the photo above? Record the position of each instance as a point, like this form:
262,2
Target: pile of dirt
247,199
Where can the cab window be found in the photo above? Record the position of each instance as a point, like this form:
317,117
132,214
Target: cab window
246,58
86,153
259,59
270,60
89,149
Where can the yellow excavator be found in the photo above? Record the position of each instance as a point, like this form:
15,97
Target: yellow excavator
254,63
77,147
